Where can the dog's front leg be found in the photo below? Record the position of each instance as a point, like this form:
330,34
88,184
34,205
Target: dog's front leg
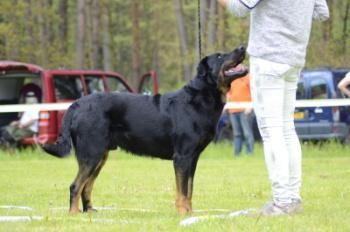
183,165
191,177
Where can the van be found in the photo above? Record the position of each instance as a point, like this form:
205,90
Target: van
320,123
54,86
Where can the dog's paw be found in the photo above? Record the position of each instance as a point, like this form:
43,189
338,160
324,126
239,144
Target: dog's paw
183,205
184,210
73,211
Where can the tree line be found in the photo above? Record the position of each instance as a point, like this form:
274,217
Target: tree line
134,36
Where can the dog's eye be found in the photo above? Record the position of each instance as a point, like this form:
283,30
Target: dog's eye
219,56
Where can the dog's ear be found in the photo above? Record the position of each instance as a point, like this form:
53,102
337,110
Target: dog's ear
202,68
204,72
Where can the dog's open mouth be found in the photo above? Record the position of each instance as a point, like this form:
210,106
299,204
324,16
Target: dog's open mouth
235,70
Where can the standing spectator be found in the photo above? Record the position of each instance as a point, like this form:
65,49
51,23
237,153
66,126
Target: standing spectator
344,83
278,38
241,119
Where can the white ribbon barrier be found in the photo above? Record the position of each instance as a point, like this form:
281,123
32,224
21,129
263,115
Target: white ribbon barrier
229,105
38,107
299,103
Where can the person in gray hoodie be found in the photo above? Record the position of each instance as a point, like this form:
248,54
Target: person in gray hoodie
278,38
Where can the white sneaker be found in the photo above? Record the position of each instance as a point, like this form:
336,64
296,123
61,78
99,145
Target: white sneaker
295,207
271,209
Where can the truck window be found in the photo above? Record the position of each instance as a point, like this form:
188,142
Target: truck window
94,84
14,86
146,87
116,85
319,89
68,87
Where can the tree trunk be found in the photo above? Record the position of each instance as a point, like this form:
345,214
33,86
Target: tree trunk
80,37
13,45
327,26
106,43
212,26
203,18
49,21
136,45
221,28
88,33
345,26
95,53
183,39
30,41
44,34
63,25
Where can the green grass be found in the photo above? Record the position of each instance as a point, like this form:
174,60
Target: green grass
34,179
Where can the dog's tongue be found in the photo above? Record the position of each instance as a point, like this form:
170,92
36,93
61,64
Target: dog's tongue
238,68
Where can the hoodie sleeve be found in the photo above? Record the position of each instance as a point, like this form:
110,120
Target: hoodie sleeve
321,11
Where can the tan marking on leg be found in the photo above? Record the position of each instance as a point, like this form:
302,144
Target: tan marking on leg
189,193
182,203
87,190
78,185
86,195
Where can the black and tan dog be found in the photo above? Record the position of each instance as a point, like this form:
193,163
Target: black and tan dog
175,126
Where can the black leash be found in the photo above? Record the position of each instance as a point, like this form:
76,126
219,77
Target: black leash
199,31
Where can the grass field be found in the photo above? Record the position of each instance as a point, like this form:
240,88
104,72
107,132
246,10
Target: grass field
138,193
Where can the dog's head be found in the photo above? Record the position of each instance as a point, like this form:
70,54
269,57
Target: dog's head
220,69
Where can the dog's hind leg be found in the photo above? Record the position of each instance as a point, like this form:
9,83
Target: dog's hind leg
76,187
87,168
86,193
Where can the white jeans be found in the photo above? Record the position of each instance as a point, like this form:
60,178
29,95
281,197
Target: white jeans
273,88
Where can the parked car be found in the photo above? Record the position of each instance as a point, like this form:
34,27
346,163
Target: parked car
319,123
51,86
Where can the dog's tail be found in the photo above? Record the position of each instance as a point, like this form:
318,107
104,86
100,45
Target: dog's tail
61,148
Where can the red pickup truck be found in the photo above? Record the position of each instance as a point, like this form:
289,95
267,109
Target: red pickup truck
51,86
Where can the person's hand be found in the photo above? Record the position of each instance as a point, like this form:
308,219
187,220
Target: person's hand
14,123
248,110
223,2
